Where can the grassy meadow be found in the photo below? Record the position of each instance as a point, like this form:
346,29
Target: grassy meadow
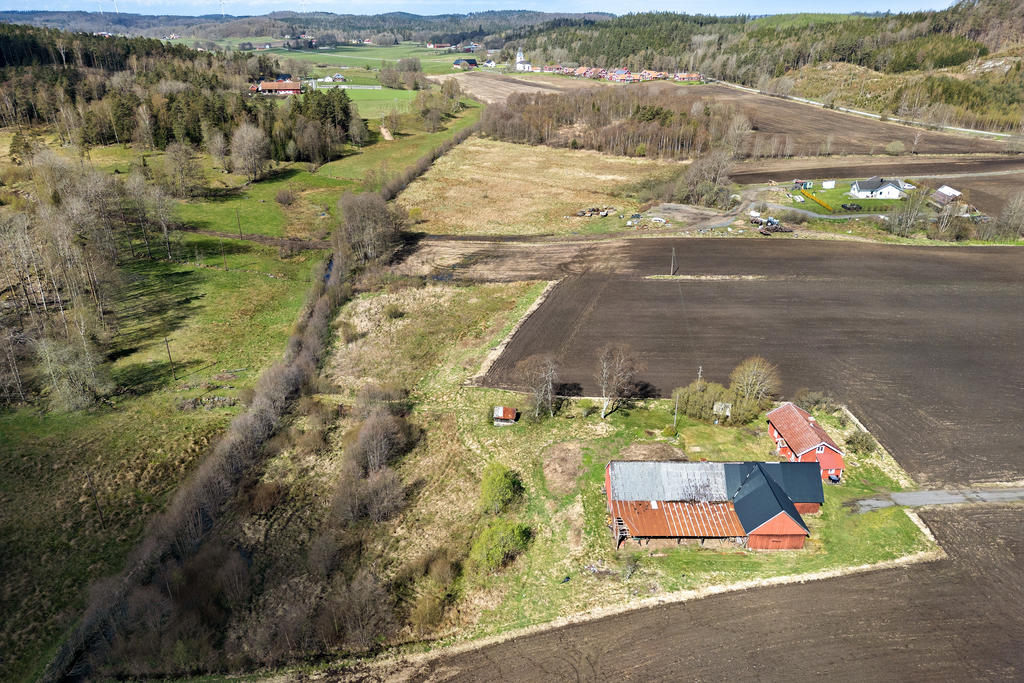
373,56
77,488
486,187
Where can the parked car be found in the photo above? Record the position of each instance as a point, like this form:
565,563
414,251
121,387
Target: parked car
852,207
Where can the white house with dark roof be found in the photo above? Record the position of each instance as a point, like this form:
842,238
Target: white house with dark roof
879,188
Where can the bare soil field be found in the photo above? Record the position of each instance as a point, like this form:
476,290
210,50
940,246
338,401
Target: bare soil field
493,87
486,187
922,343
813,130
989,193
785,170
958,618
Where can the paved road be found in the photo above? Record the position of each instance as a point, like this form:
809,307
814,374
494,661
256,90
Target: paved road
943,497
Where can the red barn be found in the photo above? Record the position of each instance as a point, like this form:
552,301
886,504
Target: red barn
799,438
746,501
279,88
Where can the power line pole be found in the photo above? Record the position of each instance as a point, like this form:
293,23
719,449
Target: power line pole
672,268
170,360
675,418
239,221
222,259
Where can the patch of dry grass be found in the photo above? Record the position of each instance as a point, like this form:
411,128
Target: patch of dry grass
485,187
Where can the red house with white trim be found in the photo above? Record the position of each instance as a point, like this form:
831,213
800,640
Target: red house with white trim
799,438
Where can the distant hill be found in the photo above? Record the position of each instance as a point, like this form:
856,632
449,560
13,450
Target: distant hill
774,53
399,25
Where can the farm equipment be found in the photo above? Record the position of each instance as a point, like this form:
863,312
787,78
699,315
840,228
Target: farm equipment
595,211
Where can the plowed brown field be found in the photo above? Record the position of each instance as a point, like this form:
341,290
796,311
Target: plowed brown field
924,344
955,619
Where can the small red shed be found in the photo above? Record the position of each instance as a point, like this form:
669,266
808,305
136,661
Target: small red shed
799,438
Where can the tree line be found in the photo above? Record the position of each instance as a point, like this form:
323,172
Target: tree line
646,122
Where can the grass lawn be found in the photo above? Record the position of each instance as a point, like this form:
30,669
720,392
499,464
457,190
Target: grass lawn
373,56
374,104
435,346
838,196
500,188
78,488
406,148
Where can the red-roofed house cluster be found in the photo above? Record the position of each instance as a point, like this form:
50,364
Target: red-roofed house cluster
799,438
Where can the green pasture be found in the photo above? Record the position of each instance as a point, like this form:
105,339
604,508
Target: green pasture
85,483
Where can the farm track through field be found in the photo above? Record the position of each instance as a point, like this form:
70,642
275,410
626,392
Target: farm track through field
957,618
267,240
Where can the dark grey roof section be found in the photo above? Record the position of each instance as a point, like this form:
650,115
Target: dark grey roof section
760,498
873,183
800,480
668,481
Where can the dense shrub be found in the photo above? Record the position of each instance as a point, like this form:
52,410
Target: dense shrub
286,196
500,543
500,488
815,400
861,442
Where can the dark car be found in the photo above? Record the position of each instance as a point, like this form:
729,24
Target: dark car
852,207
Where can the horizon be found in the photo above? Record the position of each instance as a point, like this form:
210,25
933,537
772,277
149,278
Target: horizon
198,8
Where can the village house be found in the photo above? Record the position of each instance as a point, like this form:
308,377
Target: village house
278,88
799,438
439,46
879,188
946,195
464,64
687,77
749,502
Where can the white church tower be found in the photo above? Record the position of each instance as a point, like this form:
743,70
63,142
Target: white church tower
521,63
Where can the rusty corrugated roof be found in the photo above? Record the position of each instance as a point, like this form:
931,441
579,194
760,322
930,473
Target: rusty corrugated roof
645,518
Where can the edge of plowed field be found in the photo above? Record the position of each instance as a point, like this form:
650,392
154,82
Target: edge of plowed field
411,660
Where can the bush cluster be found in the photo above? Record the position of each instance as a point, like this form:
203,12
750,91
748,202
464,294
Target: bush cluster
500,543
500,488
861,442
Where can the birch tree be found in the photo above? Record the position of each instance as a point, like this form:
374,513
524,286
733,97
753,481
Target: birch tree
616,373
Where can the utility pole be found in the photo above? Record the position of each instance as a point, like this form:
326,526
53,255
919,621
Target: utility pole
222,259
239,221
96,499
170,360
672,268
675,418
700,373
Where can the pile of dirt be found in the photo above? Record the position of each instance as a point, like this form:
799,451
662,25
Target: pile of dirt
563,463
656,450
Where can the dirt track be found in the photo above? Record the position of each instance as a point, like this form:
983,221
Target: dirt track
959,618
923,343
785,170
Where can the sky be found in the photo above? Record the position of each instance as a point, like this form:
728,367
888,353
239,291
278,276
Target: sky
250,7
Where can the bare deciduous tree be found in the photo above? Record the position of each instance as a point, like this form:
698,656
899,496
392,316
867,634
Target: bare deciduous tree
616,373
250,150
755,379
182,173
540,373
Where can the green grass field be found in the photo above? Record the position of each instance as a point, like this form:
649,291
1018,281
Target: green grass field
78,488
374,104
373,56
838,196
